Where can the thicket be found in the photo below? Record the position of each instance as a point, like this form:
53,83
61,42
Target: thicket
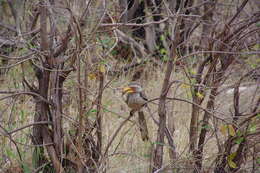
63,65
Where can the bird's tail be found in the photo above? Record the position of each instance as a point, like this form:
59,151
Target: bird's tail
143,126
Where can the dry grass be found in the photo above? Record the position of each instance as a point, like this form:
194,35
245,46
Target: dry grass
128,152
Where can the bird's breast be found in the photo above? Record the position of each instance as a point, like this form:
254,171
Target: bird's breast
135,101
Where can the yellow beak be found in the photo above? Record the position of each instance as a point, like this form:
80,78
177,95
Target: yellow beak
127,90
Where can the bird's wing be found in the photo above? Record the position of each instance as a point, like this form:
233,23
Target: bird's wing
143,95
127,99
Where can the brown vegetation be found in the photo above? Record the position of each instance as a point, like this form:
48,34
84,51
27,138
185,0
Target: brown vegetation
64,64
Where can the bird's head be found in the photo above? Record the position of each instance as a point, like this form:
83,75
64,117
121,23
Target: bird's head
132,87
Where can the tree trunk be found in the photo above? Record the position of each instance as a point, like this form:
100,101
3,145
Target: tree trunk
158,152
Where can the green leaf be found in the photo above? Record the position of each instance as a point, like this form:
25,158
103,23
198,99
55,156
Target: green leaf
206,126
200,95
239,133
239,140
258,160
22,114
159,143
102,68
193,72
106,110
232,164
162,37
147,155
230,158
165,58
114,52
252,128
72,132
253,65
163,51
93,111
231,130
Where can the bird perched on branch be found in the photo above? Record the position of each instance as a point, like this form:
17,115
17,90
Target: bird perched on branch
136,99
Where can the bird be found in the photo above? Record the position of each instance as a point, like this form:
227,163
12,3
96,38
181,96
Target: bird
136,100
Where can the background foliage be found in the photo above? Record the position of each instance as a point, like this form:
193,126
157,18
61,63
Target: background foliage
63,65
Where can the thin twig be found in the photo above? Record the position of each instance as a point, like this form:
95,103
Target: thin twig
29,125
116,132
